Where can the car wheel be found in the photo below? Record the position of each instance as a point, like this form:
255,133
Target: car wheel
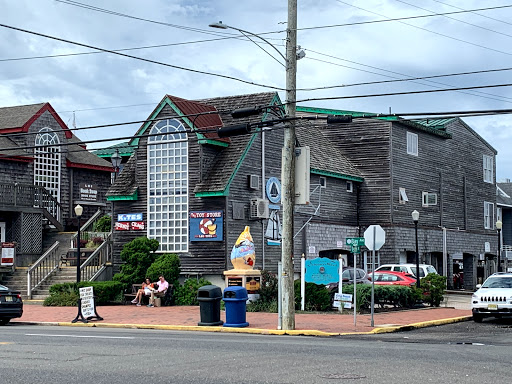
4,321
477,318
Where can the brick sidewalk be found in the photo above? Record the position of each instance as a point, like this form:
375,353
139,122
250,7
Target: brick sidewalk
190,316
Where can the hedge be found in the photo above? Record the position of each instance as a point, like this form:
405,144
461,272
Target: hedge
66,294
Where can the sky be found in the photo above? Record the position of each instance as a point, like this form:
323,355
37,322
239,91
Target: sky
346,43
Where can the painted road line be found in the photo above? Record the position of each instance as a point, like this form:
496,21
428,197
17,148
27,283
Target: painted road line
81,336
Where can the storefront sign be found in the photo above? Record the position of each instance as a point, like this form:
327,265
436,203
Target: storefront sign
206,226
137,225
122,226
129,217
273,189
88,192
7,254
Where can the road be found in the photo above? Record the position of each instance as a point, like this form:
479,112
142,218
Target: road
58,355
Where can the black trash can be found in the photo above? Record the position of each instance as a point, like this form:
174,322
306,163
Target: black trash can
209,305
235,299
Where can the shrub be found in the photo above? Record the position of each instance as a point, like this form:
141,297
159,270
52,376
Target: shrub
167,265
138,256
66,294
317,297
433,286
396,295
268,294
103,224
187,293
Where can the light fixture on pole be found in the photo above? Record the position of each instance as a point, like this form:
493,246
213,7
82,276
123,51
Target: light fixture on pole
116,162
415,217
78,212
499,225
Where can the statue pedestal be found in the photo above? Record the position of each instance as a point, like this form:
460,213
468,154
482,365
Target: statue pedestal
250,279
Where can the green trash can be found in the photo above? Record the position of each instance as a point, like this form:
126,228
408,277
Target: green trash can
209,297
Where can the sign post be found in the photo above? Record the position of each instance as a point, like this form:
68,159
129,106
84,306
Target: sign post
375,238
355,247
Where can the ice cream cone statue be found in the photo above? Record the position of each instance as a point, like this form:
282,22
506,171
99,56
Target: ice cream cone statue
243,254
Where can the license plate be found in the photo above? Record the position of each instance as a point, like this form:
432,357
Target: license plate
8,298
492,307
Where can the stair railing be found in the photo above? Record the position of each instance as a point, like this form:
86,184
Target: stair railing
43,268
84,228
90,268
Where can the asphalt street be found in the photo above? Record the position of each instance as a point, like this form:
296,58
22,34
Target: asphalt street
42,354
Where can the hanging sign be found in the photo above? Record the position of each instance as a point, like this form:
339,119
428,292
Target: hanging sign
88,192
206,226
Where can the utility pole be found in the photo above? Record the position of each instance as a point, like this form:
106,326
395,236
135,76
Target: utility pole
288,172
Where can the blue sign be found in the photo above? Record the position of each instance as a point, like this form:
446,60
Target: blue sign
273,189
206,226
322,271
129,217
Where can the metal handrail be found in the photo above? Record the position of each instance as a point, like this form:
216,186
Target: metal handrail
96,261
42,268
84,227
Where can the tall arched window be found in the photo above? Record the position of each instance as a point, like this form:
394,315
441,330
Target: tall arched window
47,162
168,186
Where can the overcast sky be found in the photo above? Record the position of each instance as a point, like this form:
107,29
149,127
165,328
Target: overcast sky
105,88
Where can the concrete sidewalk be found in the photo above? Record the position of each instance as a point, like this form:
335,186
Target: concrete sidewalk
186,318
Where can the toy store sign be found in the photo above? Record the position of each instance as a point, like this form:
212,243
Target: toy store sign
206,225
88,192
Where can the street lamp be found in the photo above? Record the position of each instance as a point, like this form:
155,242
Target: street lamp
415,217
288,162
116,162
78,211
499,225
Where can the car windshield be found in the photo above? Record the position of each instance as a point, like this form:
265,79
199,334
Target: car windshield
431,269
422,273
498,282
3,288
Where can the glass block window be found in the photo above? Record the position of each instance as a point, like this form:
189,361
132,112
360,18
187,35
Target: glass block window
47,162
168,186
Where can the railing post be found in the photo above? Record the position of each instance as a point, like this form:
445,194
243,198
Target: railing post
29,289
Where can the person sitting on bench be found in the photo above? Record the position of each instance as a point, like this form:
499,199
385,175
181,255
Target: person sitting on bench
158,292
144,290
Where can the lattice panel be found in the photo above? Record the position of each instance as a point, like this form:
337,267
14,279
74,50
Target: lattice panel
31,233
16,231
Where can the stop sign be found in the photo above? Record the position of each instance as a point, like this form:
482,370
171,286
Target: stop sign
380,237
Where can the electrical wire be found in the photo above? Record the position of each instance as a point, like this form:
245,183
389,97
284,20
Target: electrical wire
142,59
473,12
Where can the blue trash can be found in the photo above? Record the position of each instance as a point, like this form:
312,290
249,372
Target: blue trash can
235,299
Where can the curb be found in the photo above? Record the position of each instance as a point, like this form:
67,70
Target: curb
258,331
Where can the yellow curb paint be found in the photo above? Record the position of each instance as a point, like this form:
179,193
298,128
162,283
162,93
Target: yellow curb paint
6,342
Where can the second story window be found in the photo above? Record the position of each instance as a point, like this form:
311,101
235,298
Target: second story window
488,215
488,169
412,144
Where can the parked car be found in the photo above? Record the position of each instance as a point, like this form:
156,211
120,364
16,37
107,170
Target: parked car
425,269
493,298
11,305
348,278
393,278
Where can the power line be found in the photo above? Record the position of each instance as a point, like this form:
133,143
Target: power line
473,11
142,59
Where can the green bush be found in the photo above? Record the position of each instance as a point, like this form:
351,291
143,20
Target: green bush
138,256
103,224
268,294
187,293
433,286
167,265
396,295
66,294
318,297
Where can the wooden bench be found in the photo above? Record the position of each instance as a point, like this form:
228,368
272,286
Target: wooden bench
69,261
166,299
128,297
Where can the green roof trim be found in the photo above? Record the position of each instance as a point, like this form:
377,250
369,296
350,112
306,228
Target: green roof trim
336,175
327,111
277,102
211,194
213,142
135,196
125,149
135,140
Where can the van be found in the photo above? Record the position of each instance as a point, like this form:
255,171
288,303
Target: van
425,269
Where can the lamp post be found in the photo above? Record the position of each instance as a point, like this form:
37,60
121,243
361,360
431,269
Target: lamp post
78,211
415,217
288,164
116,162
499,225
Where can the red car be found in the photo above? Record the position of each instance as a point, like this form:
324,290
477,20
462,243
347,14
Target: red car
393,278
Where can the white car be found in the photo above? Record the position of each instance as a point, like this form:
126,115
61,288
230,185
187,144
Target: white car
425,269
493,298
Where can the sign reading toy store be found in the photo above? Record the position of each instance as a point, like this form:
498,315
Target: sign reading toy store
88,192
206,226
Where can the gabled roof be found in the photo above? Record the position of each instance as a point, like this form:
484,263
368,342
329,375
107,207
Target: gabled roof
126,186
504,194
79,157
125,150
15,153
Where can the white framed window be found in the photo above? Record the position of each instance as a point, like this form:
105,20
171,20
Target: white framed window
488,162
488,215
323,182
168,186
402,196
499,214
47,163
429,199
412,143
350,186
